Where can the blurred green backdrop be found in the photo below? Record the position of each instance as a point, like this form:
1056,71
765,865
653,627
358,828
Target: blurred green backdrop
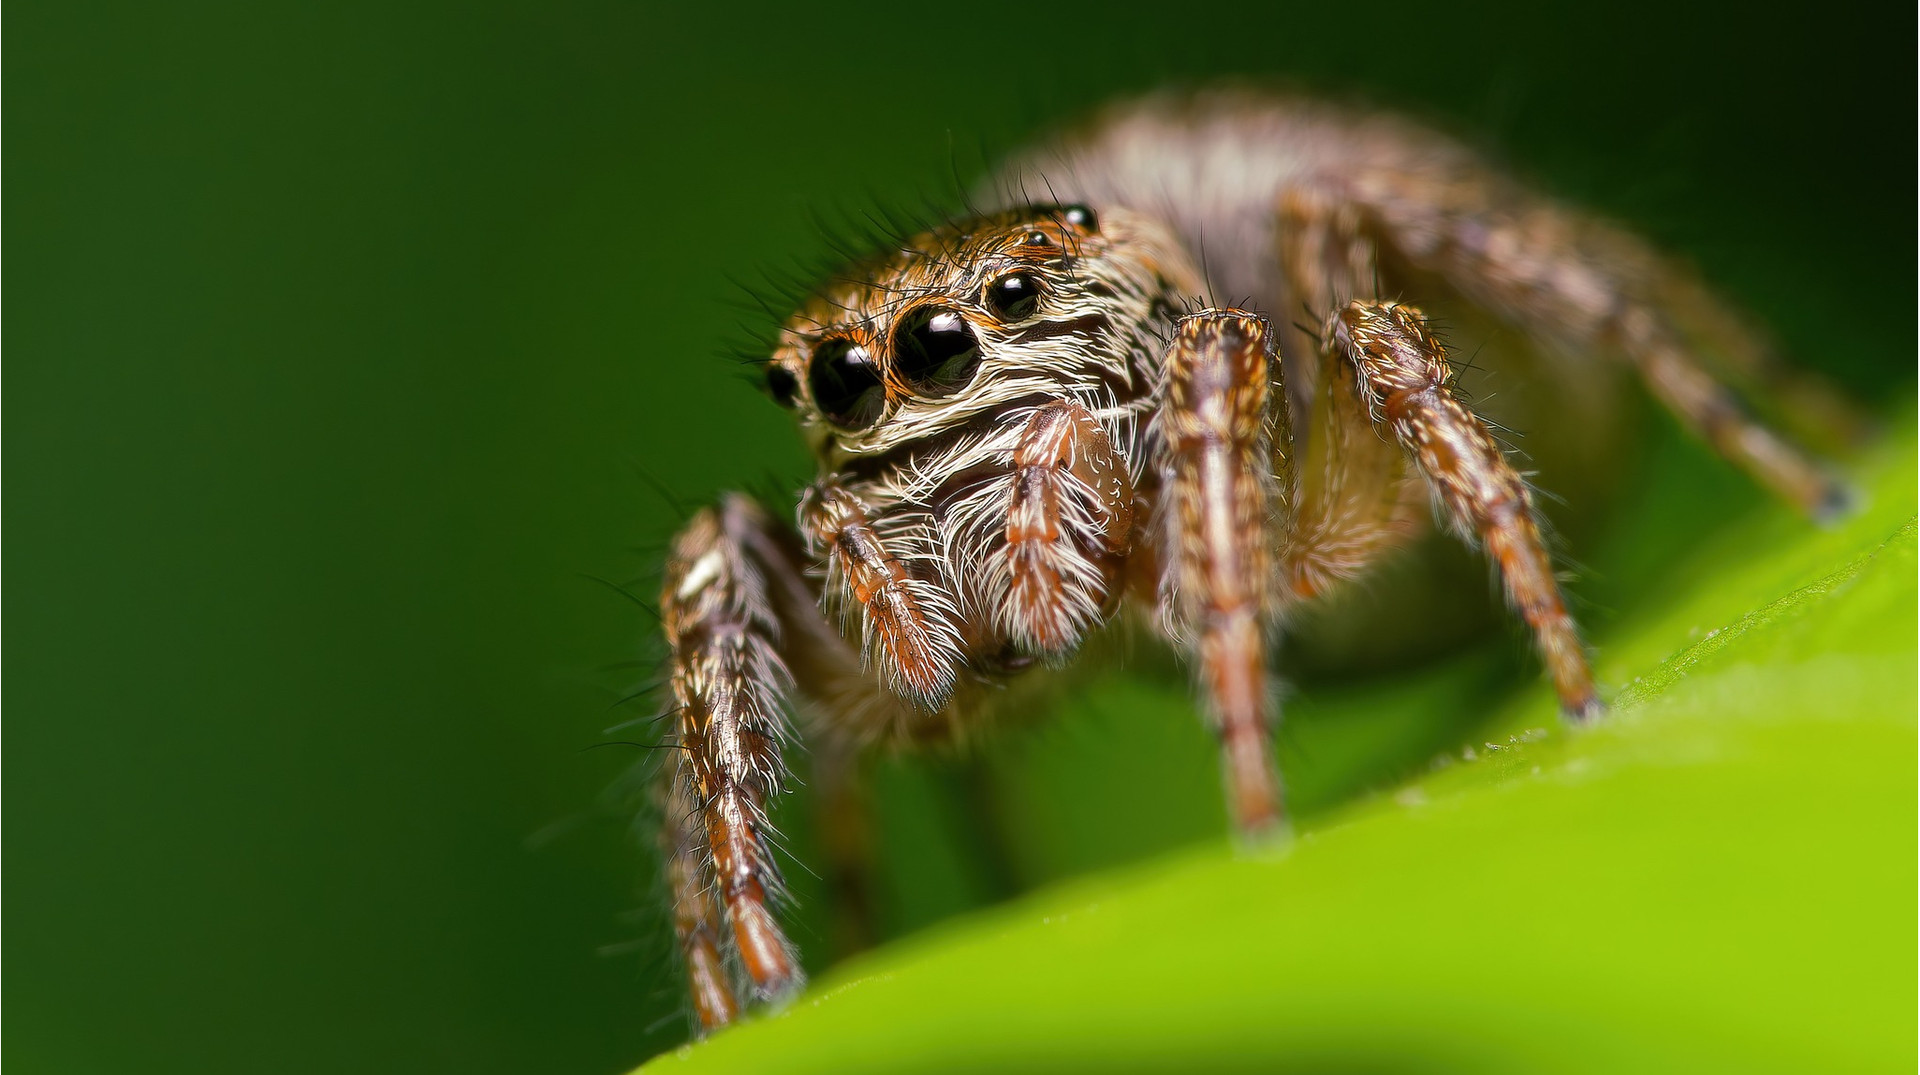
336,332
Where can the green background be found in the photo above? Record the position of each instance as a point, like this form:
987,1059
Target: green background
336,335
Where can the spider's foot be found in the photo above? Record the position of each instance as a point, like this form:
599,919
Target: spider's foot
1270,836
1841,502
1585,711
776,995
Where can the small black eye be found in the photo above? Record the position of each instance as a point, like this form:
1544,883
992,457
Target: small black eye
781,385
845,382
1081,217
1012,298
1036,238
935,351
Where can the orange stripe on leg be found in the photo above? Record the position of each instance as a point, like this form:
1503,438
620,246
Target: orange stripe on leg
1402,371
1220,494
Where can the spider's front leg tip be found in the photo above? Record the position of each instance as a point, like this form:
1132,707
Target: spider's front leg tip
766,956
1260,822
1253,790
777,993
1269,835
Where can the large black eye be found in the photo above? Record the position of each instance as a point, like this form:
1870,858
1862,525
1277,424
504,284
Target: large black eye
935,351
1013,297
845,382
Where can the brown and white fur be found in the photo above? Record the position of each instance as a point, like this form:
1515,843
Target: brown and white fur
1122,444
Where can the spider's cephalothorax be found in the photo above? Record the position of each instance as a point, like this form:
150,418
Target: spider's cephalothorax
1027,421
982,406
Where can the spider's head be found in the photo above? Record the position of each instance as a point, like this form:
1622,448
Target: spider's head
971,318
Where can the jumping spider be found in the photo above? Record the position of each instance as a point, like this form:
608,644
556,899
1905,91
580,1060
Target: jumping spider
1026,425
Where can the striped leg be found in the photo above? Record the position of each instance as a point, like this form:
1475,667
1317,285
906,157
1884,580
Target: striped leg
696,916
1217,477
730,684
1402,373
1576,282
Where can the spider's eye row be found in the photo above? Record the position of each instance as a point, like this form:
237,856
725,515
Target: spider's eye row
845,382
781,385
935,351
1013,297
1081,217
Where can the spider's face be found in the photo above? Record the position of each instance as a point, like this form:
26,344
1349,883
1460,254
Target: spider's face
968,319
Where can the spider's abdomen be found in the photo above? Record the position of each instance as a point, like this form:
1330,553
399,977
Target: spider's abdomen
1213,166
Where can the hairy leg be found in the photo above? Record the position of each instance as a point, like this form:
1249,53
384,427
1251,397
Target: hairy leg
1585,286
696,917
744,624
1402,373
1808,405
730,684
1217,481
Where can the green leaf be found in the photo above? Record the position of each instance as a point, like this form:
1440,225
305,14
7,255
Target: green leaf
1719,876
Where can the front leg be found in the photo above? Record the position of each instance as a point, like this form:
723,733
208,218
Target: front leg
730,684
1217,474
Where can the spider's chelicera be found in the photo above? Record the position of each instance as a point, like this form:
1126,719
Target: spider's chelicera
1027,426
